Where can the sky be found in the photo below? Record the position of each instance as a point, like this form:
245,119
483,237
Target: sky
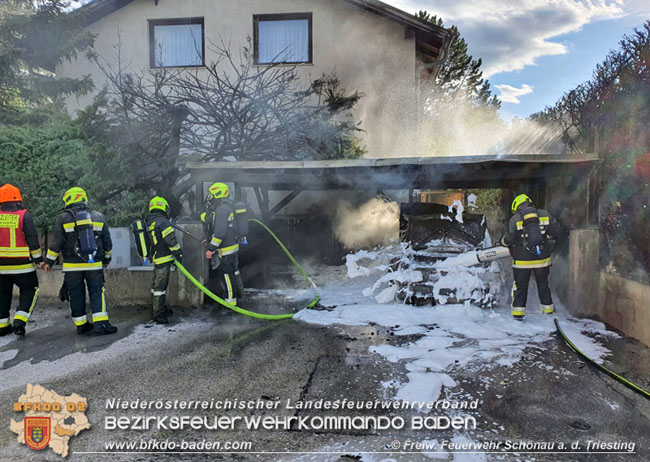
534,51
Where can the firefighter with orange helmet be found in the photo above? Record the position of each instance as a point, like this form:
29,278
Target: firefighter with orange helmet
19,255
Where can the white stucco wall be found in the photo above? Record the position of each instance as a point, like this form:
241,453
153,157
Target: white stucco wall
369,53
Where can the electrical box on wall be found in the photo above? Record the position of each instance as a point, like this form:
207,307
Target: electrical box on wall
121,238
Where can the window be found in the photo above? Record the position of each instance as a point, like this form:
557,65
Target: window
176,43
283,38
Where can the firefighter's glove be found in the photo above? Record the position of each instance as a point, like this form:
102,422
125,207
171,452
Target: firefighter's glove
178,257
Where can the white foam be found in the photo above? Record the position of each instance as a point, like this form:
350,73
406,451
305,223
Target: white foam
465,337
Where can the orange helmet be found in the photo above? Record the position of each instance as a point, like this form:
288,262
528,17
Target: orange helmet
9,193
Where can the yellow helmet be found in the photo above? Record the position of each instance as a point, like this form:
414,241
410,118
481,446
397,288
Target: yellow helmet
74,196
520,199
219,190
159,203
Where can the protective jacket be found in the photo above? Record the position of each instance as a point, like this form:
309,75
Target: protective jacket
223,238
518,237
66,241
164,245
19,248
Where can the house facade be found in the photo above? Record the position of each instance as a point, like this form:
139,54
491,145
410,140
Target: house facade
373,48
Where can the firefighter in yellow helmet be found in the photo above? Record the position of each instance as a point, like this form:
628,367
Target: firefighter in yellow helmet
164,249
82,238
226,230
19,253
529,232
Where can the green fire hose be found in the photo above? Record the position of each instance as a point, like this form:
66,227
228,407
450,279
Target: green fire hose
613,375
252,314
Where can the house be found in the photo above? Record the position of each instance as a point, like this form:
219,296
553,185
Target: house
373,47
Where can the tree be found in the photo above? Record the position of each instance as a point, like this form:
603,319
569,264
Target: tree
35,36
45,160
459,112
152,123
609,114
459,76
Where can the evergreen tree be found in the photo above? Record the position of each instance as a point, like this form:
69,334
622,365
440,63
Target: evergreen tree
459,75
459,113
35,36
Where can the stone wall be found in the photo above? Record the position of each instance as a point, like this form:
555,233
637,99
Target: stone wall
625,305
125,287
582,296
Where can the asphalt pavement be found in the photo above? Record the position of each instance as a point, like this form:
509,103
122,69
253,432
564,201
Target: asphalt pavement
213,354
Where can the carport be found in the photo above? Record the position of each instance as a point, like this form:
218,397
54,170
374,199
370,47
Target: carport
566,185
542,176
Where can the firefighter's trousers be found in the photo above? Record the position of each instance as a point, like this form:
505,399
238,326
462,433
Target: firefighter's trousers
76,283
28,286
229,281
159,288
520,289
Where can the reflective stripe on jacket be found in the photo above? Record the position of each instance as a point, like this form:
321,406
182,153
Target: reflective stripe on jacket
65,241
19,247
223,237
164,245
516,239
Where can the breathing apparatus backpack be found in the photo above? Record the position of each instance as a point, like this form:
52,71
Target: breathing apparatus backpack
534,240
142,238
86,245
241,222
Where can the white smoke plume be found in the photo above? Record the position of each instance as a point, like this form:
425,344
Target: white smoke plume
375,222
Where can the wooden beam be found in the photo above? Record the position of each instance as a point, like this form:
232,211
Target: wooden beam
262,194
428,49
285,201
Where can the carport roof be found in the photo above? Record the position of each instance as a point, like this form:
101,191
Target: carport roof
397,173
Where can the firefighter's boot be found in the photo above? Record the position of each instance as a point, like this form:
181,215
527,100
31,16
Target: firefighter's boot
19,328
103,328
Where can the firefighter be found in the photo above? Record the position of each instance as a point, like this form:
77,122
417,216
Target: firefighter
165,249
223,244
19,253
529,233
82,237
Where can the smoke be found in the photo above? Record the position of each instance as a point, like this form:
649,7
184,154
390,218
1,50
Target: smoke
375,222
461,128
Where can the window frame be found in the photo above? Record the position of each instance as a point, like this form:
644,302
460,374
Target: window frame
174,22
282,17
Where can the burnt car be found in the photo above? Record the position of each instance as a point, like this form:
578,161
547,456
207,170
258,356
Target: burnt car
435,233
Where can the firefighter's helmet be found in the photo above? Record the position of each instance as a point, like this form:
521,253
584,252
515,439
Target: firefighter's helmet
219,190
74,196
159,203
520,199
10,193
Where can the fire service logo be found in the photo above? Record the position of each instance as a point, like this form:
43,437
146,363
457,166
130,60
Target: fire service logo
37,432
49,419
